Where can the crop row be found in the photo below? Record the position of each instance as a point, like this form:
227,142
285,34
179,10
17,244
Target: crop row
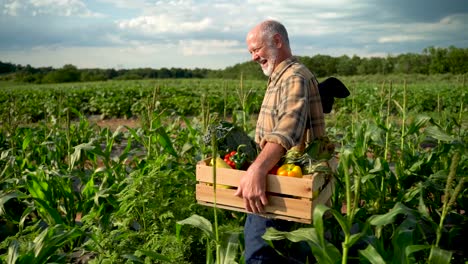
72,192
126,99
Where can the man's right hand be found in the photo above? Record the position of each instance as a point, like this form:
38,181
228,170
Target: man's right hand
252,188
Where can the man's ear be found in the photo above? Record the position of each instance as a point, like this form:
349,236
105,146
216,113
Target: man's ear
278,41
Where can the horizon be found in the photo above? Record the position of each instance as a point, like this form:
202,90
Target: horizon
194,68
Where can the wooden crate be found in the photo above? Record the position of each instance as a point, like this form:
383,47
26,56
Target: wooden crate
288,198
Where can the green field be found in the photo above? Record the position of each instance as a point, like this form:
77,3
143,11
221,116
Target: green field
74,192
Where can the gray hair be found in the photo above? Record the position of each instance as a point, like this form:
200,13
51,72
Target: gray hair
272,27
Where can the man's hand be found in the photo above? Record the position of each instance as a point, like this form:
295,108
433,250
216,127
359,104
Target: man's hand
252,186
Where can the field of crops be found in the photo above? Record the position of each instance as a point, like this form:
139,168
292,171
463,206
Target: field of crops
74,192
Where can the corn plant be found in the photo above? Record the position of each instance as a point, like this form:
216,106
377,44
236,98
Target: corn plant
245,99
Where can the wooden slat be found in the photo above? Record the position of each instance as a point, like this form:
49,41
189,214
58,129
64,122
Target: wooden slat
296,208
267,215
326,193
300,187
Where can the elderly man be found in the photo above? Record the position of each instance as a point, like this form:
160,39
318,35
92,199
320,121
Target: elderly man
291,114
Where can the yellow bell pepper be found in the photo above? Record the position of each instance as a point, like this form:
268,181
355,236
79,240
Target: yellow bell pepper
290,170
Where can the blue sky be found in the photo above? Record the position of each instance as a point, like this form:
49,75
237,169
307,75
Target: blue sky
211,34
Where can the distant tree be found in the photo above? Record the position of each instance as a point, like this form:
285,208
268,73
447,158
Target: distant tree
411,63
165,73
68,73
438,60
92,75
6,67
323,65
111,73
346,66
457,60
432,61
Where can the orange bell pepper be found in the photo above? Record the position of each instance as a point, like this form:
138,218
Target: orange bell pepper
290,170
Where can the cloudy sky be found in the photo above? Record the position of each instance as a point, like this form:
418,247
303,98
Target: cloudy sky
211,34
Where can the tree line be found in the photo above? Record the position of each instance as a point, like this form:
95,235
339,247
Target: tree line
432,60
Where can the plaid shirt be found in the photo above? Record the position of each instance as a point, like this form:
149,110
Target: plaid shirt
291,104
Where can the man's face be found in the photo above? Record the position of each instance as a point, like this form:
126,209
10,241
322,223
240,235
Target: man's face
263,52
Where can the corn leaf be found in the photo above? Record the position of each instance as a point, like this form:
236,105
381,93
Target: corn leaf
327,253
371,254
165,142
13,252
379,220
199,222
415,248
4,198
437,133
439,256
230,246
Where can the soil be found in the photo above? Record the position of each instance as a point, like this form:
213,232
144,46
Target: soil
114,123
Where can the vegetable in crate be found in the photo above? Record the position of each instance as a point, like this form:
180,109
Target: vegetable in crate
230,137
237,159
290,170
220,164
314,158
227,159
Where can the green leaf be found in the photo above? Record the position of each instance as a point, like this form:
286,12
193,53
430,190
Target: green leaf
371,254
398,105
166,142
417,124
51,215
199,222
377,166
439,256
76,156
230,246
324,254
13,252
51,239
132,258
415,248
379,220
153,255
338,216
26,140
4,198
38,189
437,133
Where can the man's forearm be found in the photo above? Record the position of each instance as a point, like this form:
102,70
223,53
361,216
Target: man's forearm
268,157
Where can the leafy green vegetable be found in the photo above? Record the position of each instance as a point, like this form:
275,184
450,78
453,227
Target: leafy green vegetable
229,137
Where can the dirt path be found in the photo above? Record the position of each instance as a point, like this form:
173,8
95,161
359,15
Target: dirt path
114,123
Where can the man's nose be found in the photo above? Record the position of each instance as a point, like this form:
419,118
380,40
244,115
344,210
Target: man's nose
255,56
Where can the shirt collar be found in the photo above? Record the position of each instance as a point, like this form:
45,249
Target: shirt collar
280,69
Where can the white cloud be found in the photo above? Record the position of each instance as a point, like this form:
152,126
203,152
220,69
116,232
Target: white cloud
456,19
399,38
126,4
48,7
413,32
206,33
164,24
12,8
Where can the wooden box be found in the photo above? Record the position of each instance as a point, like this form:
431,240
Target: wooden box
289,198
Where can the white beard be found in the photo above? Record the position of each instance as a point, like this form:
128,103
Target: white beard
268,70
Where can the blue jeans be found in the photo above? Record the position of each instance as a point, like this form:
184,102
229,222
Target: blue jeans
258,251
